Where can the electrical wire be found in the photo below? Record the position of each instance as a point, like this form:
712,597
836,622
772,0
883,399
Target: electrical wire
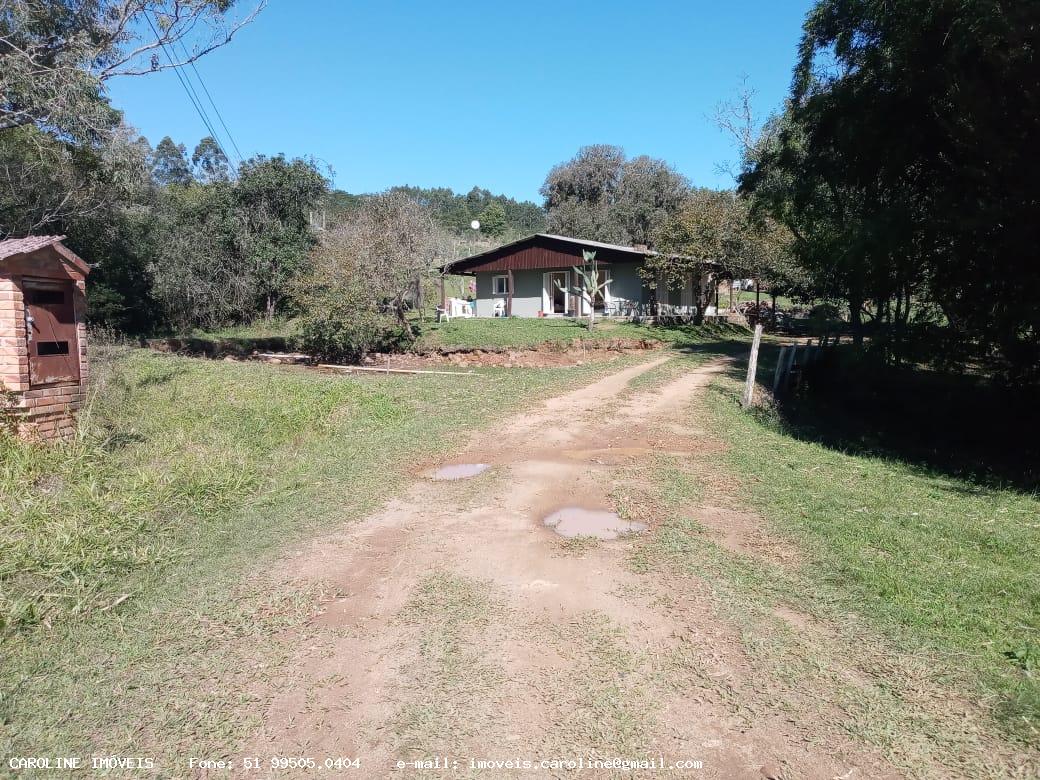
188,89
213,103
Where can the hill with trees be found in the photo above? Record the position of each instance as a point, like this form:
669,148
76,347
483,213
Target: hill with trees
499,215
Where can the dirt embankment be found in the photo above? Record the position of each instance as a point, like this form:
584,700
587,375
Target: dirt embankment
568,353
549,354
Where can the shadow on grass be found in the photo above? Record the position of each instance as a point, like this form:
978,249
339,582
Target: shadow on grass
960,426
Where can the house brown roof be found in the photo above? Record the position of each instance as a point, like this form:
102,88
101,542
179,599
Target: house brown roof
544,250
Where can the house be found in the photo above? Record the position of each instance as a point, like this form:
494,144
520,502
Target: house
43,348
534,277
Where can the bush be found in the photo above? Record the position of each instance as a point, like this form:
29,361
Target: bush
336,338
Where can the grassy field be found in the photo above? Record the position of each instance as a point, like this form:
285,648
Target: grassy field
136,609
913,593
132,562
498,333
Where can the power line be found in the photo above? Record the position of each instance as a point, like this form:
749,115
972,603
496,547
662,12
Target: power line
188,88
215,109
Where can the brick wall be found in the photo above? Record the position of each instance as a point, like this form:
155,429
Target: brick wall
44,412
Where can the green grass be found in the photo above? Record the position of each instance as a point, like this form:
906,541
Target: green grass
531,332
921,584
132,562
939,564
742,296
452,685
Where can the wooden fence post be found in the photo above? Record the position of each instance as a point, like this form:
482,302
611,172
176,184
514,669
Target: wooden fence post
791,355
749,387
779,373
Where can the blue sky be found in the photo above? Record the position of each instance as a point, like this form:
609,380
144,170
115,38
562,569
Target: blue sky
459,94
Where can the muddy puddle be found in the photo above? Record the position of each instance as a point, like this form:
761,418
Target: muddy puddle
459,471
571,521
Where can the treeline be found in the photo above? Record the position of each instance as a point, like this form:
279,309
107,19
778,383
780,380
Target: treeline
212,246
904,166
182,239
901,180
499,216
175,242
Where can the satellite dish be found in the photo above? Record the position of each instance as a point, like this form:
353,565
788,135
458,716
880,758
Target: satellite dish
475,224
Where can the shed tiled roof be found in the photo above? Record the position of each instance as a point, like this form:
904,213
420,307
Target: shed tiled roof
17,247
22,246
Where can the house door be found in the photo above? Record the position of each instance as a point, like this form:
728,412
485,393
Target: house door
50,332
555,294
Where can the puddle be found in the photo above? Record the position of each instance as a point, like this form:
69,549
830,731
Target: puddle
571,521
460,471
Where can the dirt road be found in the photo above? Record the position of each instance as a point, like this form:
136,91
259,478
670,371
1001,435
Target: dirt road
458,625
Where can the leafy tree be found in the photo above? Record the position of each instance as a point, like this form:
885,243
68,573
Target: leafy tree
493,219
523,217
170,164
119,243
201,277
907,176
716,228
274,197
210,162
65,149
56,56
366,271
601,195
229,251
48,183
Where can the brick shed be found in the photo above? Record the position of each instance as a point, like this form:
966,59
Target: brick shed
43,358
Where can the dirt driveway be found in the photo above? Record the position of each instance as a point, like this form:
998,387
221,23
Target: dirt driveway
459,628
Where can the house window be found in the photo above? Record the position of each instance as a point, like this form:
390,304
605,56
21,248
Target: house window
500,285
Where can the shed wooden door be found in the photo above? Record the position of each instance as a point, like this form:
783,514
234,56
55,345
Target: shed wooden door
50,329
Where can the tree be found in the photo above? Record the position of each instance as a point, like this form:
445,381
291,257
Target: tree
170,164
55,57
274,197
493,219
600,195
201,277
715,228
365,273
228,252
942,211
456,212
47,183
210,162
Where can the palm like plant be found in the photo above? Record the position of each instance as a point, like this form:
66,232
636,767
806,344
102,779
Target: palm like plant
589,286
